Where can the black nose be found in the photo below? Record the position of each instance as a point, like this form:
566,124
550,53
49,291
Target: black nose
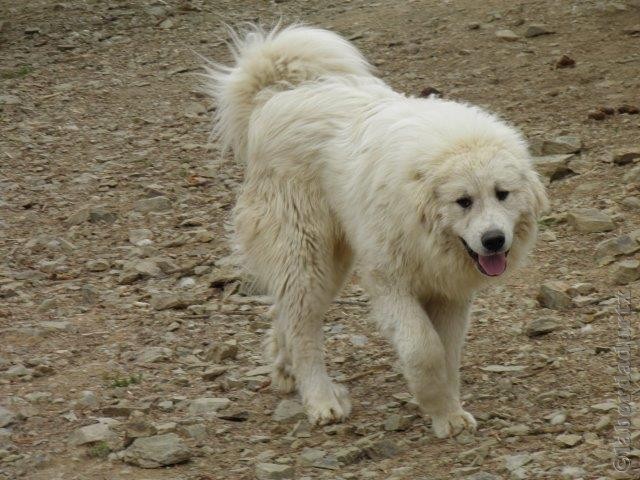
493,240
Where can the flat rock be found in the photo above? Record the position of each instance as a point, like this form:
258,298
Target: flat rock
397,423
625,157
554,167
381,449
569,440
542,326
608,249
98,432
507,35
274,471
157,451
503,368
222,351
536,30
208,405
153,204
289,411
155,355
590,220
561,145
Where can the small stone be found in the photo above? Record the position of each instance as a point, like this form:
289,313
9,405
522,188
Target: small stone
197,432
155,355
536,30
568,440
153,204
603,423
9,100
570,473
289,411
99,213
605,406
515,462
562,145
590,220
565,61
482,476
517,430
211,373
632,203
169,300
610,248
157,451
140,236
542,326
558,419
633,175
309,456
507,35
596,115
554,167
222,351
99,265
381,449
138,428
397,423
553,295
274,471
7,417
626,271
208,405
629,109
625,157
349,455
302,429
88,399
98,432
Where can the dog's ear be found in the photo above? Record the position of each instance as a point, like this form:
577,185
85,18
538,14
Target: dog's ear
539,200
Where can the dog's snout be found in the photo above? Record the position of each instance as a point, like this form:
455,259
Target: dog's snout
493,240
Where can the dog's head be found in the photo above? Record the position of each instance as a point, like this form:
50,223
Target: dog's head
488,200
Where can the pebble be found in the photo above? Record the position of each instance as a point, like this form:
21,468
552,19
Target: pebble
222,351
274,471
397,423
98,265
157,451
381,449
562,145
554,167
155,355
590,220
625,157
542,326
565,61
140,236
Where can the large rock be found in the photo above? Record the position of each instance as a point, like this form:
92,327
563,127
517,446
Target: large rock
157,451
554,295
608,249
590,220
98,432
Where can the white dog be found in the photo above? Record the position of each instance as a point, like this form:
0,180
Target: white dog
430,199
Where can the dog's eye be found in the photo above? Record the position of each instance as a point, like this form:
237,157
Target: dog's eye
502,194
464,202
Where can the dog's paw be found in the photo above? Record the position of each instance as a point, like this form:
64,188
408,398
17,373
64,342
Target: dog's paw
330,404
282,378
452,423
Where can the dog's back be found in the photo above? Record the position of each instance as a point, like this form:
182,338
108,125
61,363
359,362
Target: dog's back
268,62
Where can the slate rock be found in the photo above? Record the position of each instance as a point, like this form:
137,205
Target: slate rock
157,451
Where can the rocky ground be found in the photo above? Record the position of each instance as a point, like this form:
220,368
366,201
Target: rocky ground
129,348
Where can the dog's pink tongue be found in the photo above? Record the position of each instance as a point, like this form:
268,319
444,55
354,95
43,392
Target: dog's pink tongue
493,264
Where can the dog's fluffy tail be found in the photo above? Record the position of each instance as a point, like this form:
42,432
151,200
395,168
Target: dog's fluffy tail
268,62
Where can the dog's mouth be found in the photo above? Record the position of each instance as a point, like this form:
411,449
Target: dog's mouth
489,265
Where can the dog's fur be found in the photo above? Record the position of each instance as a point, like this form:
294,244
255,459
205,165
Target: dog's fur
342,171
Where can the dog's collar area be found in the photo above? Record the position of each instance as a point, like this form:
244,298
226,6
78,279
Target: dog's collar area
476,258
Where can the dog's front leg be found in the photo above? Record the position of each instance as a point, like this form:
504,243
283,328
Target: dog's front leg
424,361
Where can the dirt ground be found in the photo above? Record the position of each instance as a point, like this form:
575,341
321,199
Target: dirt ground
118,306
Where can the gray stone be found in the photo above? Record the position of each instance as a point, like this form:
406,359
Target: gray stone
625,157
198,432
568,440
140,236
553,295
590,220
7,417
507,35
222,351
99,213
153,204
381,449
570,473
396,423
349,455
98,432
558,146
515,462
9,100
633,175
170,300
482,476
155,354
608,249
626,271
157,451
554,167
88,399
274,471
213,372
309,456
632,203
98,265
208,405
289,411
536,30
542,326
